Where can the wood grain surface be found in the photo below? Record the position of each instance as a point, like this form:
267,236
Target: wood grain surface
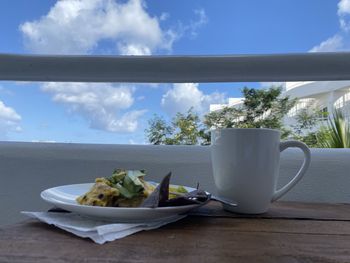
286,210
319,236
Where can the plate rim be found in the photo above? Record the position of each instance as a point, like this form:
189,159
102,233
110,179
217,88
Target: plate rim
52,200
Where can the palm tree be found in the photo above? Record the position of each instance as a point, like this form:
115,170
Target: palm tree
338,135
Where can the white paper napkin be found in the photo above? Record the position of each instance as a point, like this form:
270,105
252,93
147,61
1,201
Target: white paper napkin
99,231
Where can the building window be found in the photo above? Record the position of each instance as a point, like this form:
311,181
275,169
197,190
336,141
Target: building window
300,105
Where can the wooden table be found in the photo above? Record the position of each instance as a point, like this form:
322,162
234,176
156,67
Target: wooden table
289,232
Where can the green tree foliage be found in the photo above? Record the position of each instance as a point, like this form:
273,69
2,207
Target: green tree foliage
184,129
313,139
338,135
261,109
306,119
159,131
304,130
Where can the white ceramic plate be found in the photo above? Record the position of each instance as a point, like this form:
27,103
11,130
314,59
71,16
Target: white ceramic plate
65,197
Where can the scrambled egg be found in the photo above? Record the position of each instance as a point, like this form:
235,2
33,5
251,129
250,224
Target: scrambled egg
100,194
125,188
105,193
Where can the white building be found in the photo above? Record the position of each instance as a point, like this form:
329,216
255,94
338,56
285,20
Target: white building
324,95
232,102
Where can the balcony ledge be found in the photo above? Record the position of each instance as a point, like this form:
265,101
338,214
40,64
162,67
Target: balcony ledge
29,168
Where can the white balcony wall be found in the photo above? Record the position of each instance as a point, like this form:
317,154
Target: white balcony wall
28,168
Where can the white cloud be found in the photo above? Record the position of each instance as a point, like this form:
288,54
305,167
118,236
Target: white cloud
102,105
334,43
134,49
344,7
164,16
77,27
340,41
344,14
186,95
7,113
9,120
191,29
84,27
201,20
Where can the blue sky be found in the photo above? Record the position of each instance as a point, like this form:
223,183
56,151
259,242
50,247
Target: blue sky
118,113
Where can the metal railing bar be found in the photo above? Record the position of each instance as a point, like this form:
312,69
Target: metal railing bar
176,69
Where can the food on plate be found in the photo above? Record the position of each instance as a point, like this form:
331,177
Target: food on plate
125,188
100,194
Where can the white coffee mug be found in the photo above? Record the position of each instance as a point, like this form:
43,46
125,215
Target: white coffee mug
246,167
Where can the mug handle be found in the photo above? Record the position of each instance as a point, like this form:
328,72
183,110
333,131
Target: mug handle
307,158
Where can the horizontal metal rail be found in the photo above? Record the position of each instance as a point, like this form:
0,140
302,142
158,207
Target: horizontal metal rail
176,69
